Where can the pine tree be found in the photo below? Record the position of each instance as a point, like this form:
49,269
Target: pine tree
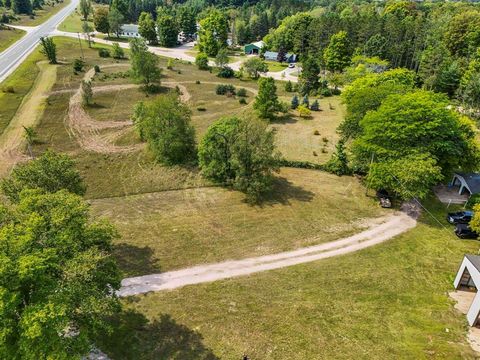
305,101
288,86
315,106
294,103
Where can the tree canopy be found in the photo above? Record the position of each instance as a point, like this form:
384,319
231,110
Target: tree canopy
165,124
57,277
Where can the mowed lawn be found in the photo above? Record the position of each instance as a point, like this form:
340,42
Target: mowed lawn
73,22
175,229
8,36
386,302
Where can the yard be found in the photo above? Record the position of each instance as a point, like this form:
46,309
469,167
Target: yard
275,66
8,36
73,23
388,301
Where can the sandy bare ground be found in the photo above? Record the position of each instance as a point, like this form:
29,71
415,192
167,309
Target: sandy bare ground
392,226
463,301
12,142
99,136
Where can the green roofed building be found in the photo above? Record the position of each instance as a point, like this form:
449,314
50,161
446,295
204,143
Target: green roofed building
254,48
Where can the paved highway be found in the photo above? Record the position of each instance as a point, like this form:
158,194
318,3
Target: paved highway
16,53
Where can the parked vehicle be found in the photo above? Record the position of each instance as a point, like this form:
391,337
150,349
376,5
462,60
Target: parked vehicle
463,231
291,65
385,198
460,217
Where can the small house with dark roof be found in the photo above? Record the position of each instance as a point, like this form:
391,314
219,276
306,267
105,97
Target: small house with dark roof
468,279
467,182
273,56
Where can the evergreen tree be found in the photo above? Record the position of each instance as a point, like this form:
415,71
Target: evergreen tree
294,103
305,101
266,102
288,86
308,78
315,106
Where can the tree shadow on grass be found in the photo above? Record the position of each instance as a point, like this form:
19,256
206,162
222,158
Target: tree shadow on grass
135,260
134,337
283,191
284,119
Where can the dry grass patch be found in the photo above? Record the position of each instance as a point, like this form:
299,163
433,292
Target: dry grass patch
8,36
189,227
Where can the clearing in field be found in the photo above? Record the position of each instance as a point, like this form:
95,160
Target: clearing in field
8,36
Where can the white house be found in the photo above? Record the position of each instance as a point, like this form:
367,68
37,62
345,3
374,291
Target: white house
468,276
129,30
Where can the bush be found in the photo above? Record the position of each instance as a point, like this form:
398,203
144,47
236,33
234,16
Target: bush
242,101
288,86
197,82
316,132
473,200
325,92
315,106
170,64
294,103
118,52
9,89
226,72
78,65
104,53
97,69
242,92
336,91
201,109
224,89
202,61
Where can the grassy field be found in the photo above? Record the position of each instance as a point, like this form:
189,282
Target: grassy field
297,137
189,227
386,302
73,23
49,9
276,66
8,36
16,86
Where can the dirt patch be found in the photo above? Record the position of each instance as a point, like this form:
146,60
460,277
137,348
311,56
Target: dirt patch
99,136
12,142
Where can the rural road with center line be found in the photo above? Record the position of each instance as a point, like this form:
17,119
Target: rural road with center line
13,56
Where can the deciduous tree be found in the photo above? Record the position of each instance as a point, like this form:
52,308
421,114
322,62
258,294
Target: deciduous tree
266,102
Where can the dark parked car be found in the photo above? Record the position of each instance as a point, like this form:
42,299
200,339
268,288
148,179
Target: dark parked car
460,217
463,231
385,199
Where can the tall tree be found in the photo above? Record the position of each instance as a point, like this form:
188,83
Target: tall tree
58,277
337,54
254,67
266,102
165,124
85,9
100,20
308,79
49,172
167,30
144,64
241,154
115,21
49,49
187,21
146,28
213,32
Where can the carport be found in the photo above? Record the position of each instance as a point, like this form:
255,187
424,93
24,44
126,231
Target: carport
467,280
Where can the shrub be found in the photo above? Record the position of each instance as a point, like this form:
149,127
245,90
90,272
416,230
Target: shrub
202,61
303,111
226,72
242,92
315,106
224,89
117,51
325,92
305,101
197,82
289,86
336,91
78,65
104,53
97,69
325,139
294,103
316,132
9,89
201,109
473,200
242,101
170,64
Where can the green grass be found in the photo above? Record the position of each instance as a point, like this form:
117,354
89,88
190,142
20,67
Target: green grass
183,228
295,136
8,36
20,81
386,302
276,66
42,15
73,23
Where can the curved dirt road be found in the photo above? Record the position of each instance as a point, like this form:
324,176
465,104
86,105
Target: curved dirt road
393,226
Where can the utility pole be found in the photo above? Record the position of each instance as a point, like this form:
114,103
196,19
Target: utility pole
80,42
